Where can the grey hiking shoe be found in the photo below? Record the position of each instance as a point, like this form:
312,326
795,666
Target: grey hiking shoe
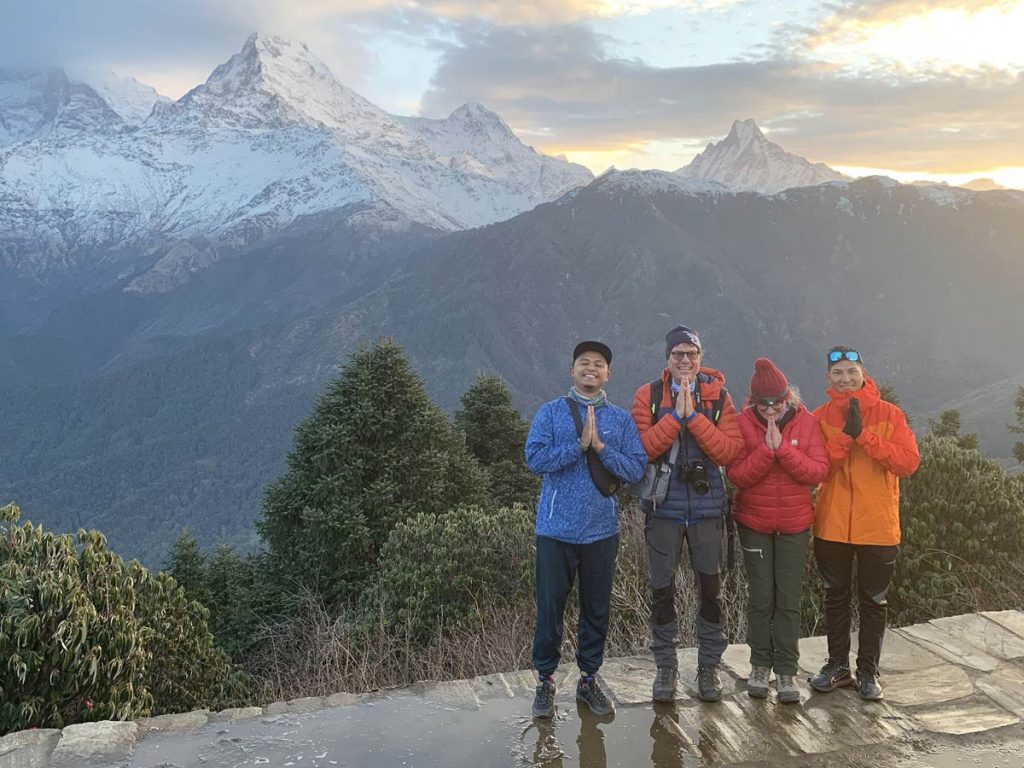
665,684
786,687
588,690
868,687
835,674
757,683
544,700
709,685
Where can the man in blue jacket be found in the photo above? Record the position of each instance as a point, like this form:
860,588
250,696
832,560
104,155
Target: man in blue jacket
577,525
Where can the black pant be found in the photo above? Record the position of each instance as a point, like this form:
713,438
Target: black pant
875,567
557,566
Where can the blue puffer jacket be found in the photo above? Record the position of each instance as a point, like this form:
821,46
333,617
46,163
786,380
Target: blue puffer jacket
571,509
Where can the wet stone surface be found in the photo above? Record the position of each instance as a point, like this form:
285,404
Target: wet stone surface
947,683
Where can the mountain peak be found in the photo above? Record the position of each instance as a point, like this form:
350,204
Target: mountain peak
275,81
745,131
745,160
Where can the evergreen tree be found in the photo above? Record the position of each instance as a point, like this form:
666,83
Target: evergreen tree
496,435
186,564
948,425
375,451
1018,427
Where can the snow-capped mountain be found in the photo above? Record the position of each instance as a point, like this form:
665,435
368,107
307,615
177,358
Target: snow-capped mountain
41,104
129,98
746,161
271,136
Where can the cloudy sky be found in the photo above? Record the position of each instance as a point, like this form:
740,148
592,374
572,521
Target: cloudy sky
918,89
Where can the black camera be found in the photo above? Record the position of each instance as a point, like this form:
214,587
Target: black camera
696,474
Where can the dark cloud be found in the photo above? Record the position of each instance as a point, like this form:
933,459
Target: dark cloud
562,82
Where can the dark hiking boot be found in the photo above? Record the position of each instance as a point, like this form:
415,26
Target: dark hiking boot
787,690
665,684
835,674
709,684
868,687
588,690
757,683
544,700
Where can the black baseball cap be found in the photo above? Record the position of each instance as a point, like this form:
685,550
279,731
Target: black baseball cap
593,346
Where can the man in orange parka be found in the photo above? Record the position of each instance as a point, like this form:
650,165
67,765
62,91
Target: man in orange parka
689,407
857,516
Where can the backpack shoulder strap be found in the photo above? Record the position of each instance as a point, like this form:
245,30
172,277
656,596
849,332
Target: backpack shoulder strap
657,392
718,405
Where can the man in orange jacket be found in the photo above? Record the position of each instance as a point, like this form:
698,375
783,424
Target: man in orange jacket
857,516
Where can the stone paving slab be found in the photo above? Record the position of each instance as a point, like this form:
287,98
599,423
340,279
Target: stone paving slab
899,653
1011,620
971,715
737,659
990,636
236,713
179,722
1006,688
492,686
105,739
928,686
453,694
949,647
295,706
629,680
720,733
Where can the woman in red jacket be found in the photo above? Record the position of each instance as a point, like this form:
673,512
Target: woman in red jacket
784,455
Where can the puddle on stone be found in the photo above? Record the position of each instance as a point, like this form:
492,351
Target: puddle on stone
410,731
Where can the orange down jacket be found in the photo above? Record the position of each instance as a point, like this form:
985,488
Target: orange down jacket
859,502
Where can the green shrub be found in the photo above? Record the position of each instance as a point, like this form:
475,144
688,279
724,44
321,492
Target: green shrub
437,570
86,636
963,529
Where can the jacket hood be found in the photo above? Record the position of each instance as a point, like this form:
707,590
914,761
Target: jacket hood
868,395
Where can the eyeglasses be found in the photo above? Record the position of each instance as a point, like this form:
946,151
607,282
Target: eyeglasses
768,402
850,354
679,356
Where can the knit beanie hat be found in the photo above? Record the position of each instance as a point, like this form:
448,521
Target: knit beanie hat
768,382
681,335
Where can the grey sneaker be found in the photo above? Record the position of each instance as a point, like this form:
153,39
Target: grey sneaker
588,690
757,684
544,700
665,684
868,687
709,685
786,687
835,674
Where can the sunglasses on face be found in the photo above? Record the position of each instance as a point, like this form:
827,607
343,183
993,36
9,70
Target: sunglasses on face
679,356
836,355
768,402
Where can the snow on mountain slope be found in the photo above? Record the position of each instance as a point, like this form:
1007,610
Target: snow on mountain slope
746,161
271,136
129,98
46,104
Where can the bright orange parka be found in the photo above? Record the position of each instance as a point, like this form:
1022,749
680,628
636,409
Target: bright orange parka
859,502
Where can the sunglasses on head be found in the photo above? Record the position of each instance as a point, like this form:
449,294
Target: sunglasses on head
850,354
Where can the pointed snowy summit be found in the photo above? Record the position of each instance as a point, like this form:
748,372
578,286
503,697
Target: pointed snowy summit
276,82
747,161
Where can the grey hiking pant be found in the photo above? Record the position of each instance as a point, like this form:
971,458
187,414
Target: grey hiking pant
665,539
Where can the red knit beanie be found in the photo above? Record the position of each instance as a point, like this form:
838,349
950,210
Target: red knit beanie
768,381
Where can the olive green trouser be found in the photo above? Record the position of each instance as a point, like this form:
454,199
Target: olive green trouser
775,573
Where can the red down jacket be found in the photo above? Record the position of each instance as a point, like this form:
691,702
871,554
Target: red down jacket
774,487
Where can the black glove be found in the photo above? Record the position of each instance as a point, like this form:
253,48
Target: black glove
853,425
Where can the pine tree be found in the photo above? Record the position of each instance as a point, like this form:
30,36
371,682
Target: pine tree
186,564
948,425
374,451
496,435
